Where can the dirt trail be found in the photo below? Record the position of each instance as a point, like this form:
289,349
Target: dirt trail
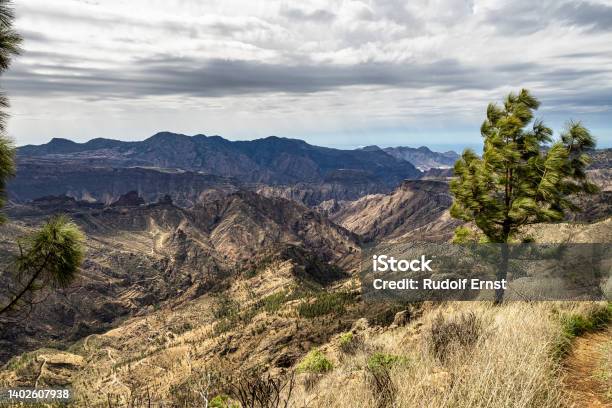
585,386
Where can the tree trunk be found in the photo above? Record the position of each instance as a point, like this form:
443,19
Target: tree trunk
502,273
28,287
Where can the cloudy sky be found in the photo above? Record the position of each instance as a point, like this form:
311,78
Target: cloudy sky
337,73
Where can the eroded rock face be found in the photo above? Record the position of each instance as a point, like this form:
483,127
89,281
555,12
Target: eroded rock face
104,184
418,209
349,187
129,199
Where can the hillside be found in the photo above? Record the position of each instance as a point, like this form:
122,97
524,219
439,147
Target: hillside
417,210
140,257
260,323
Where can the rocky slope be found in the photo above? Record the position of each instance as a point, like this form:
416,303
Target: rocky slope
417,210
313,194
601,159
140,257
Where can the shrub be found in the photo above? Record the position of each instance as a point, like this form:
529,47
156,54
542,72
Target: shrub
596,319
315,362
379,361
325,303
221,401
347,342
263,391
382,387
258,329
459,332
379,377
181,328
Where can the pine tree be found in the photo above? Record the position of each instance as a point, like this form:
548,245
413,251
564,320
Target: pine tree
9,46
52,255
522,178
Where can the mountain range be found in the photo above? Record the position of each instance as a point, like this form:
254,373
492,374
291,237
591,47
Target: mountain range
192,167
272,160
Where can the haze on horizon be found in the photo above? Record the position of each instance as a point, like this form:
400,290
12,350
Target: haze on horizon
334,73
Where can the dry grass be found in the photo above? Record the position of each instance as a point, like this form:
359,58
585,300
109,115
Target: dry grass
496,357
463,354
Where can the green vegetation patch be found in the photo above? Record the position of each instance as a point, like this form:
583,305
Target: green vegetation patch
314,362
225,307
224,325
222,401
325,303
596,319
274,302
383,361
346,339
349,343
21,362
228,314
574,325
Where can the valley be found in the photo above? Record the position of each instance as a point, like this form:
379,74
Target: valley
190,274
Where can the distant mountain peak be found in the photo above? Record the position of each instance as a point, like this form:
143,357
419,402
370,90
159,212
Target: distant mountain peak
370,148
59,141
165,135
286,140
423,157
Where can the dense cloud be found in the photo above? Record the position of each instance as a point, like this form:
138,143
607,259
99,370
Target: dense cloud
381,59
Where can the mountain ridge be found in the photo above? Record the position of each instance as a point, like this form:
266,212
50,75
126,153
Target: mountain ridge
273,160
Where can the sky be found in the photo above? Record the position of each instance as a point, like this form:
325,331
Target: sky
337,73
